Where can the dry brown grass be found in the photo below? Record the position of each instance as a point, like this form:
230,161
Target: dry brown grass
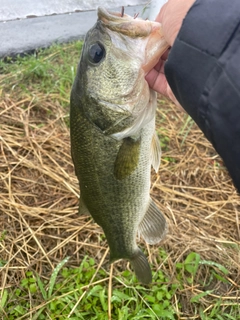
39,198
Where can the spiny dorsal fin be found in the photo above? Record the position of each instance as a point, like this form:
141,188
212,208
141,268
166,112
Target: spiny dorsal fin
155,152
153,227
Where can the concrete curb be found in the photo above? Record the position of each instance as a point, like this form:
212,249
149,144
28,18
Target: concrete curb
19,37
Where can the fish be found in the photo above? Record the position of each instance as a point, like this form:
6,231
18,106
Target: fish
112,133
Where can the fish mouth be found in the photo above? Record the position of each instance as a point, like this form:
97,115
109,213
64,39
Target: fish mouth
134,27
125,24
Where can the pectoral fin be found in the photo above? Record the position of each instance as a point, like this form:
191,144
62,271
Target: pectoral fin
155,152
127,158
153,227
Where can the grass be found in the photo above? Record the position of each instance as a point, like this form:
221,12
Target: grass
81,293
50,71
54,263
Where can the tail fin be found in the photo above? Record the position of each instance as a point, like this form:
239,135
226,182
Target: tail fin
141,267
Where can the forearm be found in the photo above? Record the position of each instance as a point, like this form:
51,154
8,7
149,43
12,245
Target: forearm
203,70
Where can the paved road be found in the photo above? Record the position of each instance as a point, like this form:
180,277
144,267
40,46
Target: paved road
24,36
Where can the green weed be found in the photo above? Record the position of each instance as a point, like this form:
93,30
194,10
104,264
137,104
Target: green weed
129,300
2,235
50,72
57,298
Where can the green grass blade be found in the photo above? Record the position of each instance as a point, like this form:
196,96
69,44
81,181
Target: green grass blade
3,299
200,295
37,315
41,287
188,123
215,264
54,275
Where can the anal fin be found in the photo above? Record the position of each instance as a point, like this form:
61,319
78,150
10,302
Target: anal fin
153,227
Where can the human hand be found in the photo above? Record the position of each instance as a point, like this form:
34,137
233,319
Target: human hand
171,17
157,80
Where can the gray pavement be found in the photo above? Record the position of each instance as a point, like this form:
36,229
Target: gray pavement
25,36
20,9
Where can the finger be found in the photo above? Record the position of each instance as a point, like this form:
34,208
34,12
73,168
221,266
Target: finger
173,98
165,54
159,67
157,81
161,13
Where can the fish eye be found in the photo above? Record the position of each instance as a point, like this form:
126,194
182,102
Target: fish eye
96,52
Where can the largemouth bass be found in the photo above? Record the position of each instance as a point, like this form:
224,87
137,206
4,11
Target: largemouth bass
113,139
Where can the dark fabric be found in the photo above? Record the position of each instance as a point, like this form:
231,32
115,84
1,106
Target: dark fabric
203,70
